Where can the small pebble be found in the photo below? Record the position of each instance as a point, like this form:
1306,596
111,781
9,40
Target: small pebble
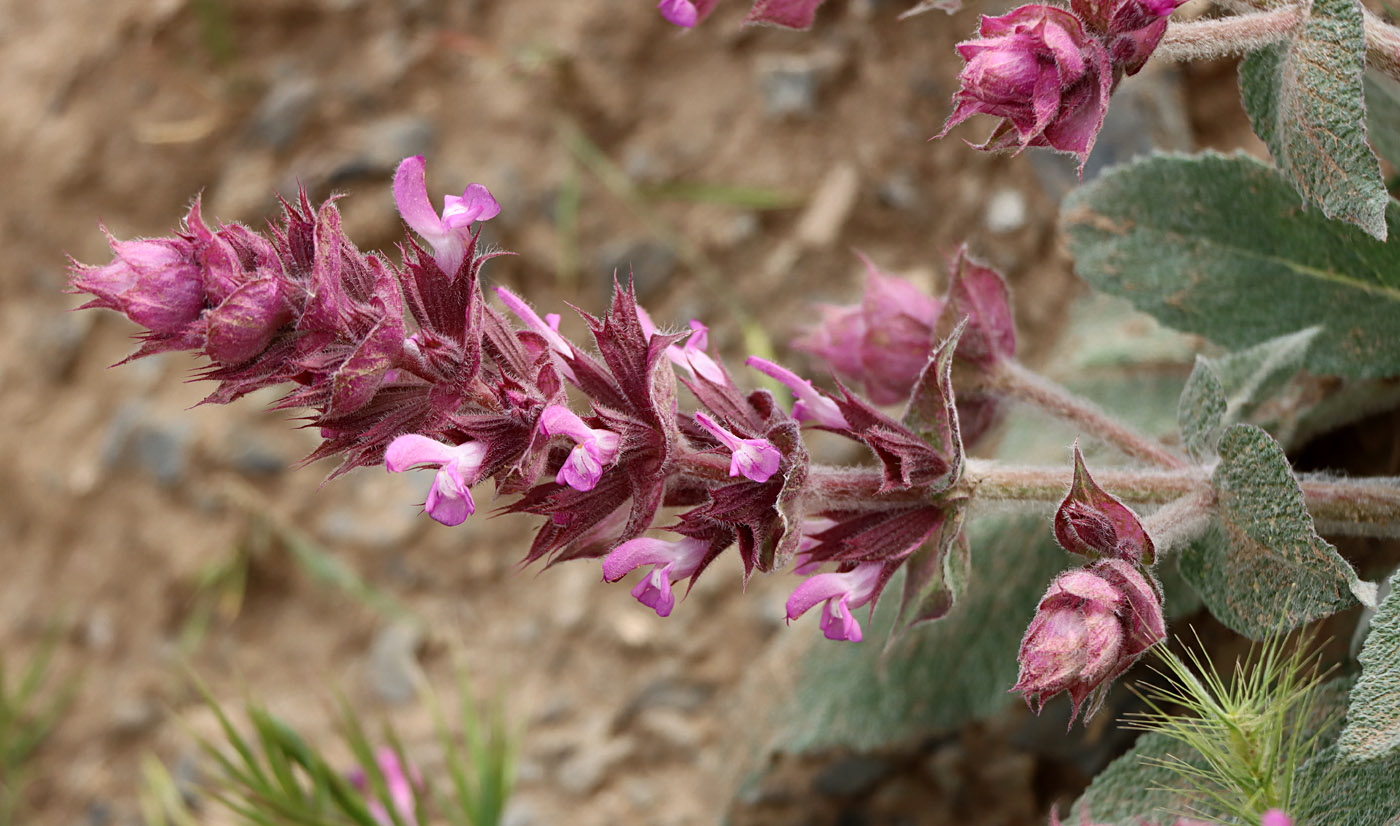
1006,211
394,673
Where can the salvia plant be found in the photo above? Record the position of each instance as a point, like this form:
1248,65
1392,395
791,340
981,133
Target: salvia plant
638,448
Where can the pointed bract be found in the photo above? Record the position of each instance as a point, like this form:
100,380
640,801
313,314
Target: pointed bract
1093,523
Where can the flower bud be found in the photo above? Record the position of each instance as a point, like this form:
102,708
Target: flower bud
1092,625
1092,522
1038,69
155,283
1131,29
885,341
243,325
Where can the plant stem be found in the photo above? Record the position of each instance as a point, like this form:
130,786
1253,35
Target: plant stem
1223,37
1013,379
1226,36
1339,507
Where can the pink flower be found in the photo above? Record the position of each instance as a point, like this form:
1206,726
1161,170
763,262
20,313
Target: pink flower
1131,28
885,341
811,405
755,459
1275,817
156,283
449,499
403,788
449,234
841,593
671,562
1039,70
547,328
679,12
594,448
1092,625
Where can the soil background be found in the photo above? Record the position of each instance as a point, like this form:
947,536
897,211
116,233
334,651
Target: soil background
748,163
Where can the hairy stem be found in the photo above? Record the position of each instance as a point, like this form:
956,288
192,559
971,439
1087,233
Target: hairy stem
1226,36
1014,380
1251,29
1340,507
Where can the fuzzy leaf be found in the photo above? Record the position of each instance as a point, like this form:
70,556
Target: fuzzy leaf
1221,392
1242,264
1262,568
935,577
1306,100
1351,793
1383,116
1135,788
1201,410
1373,719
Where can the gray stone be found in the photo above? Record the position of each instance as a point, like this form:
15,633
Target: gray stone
900,191
791,84
382,144
248,454
135,440
1006,211
585,770
394,674
851,776
283,111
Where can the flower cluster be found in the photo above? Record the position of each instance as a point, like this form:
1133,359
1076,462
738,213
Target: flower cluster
1094,622
1048,72
409,366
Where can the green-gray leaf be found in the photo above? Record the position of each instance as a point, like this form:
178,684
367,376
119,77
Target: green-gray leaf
1218,246
1138,787
1373,719
1262,568
1383,116
1351,793
1201,410
1306,100
1227,390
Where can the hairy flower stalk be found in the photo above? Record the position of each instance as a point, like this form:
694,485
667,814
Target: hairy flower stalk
407,365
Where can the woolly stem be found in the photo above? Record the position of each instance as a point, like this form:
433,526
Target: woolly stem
1226,36
1339,507
1014,380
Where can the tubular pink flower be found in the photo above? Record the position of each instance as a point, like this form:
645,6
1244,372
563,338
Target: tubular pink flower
671,562
549,330
842,593
1275,817
449,233
756,459
811,405
594,448
450,499
679,12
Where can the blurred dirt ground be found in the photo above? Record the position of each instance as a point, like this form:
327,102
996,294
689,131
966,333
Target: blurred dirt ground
740,169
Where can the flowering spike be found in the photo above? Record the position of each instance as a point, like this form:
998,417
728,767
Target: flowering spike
841,592
671,562
756,459
1093,523
449,234
594,448
811,405
450,498
1092,625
